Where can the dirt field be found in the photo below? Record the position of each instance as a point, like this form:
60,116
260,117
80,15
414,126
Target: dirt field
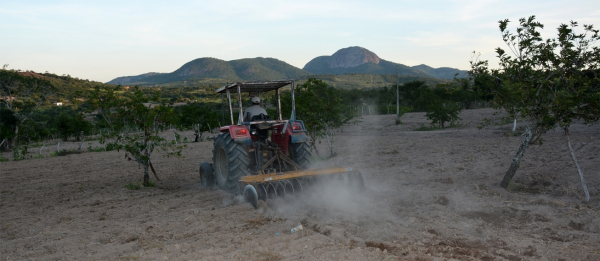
430,195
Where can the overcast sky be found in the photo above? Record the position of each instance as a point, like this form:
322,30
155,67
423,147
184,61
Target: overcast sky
102,40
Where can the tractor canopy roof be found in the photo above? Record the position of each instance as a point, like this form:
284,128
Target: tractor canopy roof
253,86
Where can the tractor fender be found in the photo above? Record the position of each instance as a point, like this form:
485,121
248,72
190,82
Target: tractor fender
283,136
245,141
296,131
298,138
239,133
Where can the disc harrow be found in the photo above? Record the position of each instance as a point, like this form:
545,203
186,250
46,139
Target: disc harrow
279,185
265,157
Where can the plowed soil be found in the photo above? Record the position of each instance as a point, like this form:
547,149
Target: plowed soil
430,195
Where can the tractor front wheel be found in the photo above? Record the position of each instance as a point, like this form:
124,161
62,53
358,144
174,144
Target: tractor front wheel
230,163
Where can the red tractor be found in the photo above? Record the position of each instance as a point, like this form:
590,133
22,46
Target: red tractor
264,156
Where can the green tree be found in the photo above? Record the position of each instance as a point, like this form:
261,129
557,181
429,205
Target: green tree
135,108
199,116
104,100
8,122
414,95
551,83
322,109
72,124
441,107
22,95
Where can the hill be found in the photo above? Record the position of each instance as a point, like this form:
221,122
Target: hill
442,72
133,79
360,60
250,69
65,87
352,67
365,81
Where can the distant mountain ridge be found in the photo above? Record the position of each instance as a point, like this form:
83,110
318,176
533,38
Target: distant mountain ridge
250,69
442,72
360,60
133,79
347,60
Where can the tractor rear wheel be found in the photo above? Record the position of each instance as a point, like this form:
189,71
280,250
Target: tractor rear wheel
230,163
300,154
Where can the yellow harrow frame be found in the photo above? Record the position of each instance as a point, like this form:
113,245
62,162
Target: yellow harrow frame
273,185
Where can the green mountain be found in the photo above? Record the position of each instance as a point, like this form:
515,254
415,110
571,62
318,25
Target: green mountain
351,60
133,79
360,60
442,72
251,69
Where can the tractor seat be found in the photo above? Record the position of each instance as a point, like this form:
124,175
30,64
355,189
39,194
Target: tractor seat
260,117
261,126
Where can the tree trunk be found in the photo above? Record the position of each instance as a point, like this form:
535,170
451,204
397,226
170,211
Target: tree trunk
2,144
197,133
316,150
583,184
313,141
13,140
153,171
80,138
329,136
517,159
146,176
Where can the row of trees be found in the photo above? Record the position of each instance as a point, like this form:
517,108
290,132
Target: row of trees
28,116
323,107
68,122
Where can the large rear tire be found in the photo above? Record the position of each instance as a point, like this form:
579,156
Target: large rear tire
230,163
300,154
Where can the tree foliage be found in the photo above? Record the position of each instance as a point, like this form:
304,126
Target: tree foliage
199,116
441,107
321,107
134,108
72,124
550,82
22,94
8,123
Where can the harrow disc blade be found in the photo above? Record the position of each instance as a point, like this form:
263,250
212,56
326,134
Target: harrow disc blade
280,189
289,188
271,191
262,192
297,186
251,196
